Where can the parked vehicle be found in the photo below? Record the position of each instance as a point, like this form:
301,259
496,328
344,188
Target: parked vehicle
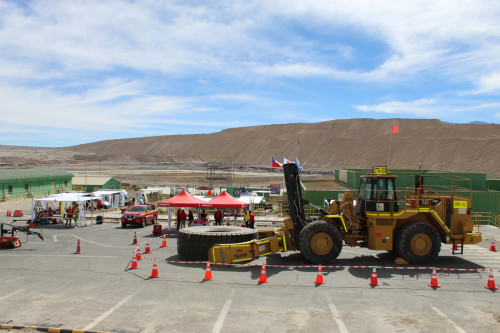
140,215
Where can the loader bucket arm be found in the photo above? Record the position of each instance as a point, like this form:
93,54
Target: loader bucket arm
295,201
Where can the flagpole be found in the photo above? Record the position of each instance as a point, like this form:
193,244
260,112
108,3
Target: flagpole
389,155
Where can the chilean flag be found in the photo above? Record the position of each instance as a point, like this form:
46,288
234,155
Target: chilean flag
275,164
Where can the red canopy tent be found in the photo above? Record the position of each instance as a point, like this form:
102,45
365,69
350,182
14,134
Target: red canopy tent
183,199
224,200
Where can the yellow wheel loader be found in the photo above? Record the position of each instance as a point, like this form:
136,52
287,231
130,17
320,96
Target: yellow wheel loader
411,223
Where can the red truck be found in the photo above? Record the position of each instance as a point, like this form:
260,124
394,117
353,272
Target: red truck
140,214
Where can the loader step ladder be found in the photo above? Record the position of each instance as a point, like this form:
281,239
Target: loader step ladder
458,245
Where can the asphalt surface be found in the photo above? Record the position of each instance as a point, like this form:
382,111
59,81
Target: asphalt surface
46,284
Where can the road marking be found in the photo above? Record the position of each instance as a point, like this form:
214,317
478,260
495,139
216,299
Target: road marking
338,319
113,226
11,294
457,328
88,241
107,313
223,313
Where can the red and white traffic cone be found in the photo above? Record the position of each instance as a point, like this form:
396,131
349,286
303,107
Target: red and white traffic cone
491,282
134,242
319,276
78,249
374,279
493,247
154,273
434,281
263,276
8,213
164,243
134,264
147,249
208,273
138,253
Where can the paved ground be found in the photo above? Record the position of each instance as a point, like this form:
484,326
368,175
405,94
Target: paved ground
45,283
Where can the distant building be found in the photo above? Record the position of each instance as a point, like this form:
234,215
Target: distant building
94,183
30,183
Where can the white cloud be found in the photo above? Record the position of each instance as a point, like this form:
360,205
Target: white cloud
489,83
419,108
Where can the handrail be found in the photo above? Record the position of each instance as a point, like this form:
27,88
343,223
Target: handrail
486,218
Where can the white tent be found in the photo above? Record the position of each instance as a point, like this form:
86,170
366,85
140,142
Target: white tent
78,197
115,198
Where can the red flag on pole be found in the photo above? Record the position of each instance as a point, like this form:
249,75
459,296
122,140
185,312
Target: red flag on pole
395,129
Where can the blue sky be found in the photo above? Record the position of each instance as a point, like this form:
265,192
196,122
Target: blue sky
74,72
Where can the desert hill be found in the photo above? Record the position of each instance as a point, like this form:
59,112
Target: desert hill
350,143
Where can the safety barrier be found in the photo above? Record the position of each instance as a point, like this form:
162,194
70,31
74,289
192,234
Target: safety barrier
407,268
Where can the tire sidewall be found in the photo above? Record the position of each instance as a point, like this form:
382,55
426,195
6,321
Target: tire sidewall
404,240
305,240
193,243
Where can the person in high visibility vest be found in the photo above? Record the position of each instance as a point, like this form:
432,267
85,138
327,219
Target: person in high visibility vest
246,217
76,214
69,216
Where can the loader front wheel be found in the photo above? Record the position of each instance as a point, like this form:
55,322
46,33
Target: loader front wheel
418,243
320,242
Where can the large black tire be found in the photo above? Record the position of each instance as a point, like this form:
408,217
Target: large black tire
418,243
193,243
320,242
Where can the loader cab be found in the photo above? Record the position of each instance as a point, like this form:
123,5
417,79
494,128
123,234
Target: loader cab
377,194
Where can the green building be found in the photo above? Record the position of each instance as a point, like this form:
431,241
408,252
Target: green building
31,183
94,183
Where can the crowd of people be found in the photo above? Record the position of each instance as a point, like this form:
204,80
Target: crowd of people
203,219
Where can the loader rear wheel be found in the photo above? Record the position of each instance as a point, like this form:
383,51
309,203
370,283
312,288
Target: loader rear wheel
418,243
193,243
320,242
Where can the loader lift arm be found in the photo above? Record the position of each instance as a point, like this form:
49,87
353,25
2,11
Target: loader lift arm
272,240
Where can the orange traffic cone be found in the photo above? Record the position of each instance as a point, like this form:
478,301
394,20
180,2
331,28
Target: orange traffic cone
374,279
138,254
493,247
164,243
319,277
8,213
263,276
491,282
154,273
434,281
147,249
134,263
208,273
78,249
134,242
